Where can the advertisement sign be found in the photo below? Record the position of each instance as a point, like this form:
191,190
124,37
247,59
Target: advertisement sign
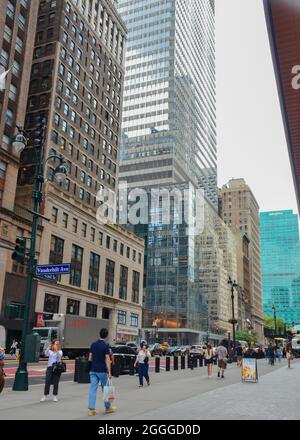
39,319
249,370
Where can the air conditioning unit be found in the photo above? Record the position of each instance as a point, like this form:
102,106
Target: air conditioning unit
58,316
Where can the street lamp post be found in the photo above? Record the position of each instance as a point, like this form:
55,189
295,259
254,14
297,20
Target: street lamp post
207,326
19,143
154,331
275,322
233,285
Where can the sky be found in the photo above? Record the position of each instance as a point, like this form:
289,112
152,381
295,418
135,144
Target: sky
251,139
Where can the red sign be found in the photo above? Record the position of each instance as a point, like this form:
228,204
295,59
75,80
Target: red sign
39,319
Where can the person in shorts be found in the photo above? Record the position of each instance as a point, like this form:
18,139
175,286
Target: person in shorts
222,354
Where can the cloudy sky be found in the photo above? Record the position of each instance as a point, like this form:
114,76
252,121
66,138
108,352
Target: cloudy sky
251,141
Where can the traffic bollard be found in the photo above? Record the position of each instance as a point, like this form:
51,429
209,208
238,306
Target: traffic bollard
201,361
190,362
131,366
116,367
76,369
195,359
175,363
183,362
168,362
157,364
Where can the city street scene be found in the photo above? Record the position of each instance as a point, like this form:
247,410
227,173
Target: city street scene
149,210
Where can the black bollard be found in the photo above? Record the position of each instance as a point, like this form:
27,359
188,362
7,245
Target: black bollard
116,367
201,360
131,366
157,364
183,362
76,369
195,359
175,363
168,362
190,362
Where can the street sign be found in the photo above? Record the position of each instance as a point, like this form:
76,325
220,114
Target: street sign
47,269
48,277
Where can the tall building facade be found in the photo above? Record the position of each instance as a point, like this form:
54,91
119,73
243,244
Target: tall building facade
76,85
169,117
280,256
17,36
240,211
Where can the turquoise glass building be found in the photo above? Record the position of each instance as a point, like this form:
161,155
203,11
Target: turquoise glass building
280,259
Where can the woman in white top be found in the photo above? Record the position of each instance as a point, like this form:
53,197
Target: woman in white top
54,354
209,359
289,356
142,360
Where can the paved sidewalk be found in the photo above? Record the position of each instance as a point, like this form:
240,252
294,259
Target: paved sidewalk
179,395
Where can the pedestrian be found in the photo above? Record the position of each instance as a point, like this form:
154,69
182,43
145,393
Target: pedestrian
54,354
209,359
250,353
100,372
13,347
239,353
222,358
289,356
142,360
284,352
143,342
2,374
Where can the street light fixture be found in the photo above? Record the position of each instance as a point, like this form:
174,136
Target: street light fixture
233,321
274,311
154,331
19,143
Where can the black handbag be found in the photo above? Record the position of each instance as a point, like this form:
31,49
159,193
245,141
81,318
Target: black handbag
59,367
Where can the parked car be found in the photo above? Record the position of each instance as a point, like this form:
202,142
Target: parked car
155,350
173,351
124,353
164,347
133,345
197,350
185,349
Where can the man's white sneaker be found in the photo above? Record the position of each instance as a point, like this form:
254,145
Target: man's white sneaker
43,399
55,399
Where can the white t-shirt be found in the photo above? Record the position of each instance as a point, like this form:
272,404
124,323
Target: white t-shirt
54,356
141,356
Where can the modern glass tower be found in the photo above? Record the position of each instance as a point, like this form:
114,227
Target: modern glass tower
169,115
280,257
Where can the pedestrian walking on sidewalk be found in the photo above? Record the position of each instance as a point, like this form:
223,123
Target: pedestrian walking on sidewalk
13,347
2,374
209,359
54,354
289,356
222,358
142,360
100,372
239,353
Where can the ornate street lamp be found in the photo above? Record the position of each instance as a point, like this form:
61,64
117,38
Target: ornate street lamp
233,321
19,143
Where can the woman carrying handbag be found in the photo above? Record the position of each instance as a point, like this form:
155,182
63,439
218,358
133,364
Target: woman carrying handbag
54,370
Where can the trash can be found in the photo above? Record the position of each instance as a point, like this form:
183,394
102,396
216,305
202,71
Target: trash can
77,360
83,374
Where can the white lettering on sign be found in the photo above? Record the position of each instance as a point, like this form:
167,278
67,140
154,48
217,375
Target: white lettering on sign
296,78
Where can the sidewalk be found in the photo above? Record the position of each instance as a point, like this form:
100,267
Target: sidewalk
179,395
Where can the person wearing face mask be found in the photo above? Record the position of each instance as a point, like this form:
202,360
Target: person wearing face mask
142,360
54,354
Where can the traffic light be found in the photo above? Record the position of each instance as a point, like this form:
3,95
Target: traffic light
20,250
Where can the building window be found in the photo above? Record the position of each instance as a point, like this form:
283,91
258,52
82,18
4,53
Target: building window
9,117
75,225
10,10
128,252
101,238
56,250
81,193
54,215
91,310
51,303
121,249
123,282
134,255
121,317
76,265
65,220
135,286
108,242
2,169
92,234
134,320
72,307
140,258
94,272
109,277
83,230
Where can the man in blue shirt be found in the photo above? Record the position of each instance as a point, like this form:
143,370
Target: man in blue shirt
100,371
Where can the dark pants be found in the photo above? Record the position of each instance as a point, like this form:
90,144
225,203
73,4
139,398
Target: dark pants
143,373
51,379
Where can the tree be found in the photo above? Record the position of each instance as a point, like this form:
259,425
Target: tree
247,335
269,323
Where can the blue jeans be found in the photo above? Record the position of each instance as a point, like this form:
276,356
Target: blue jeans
97,378
143,372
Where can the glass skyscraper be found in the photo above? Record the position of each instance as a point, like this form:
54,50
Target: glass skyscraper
169,115
280,257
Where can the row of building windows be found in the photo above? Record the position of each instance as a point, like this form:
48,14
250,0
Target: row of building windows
51,305
56,257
